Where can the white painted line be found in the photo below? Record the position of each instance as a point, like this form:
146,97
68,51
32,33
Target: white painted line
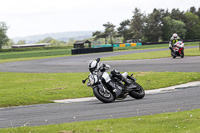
191,84
75,100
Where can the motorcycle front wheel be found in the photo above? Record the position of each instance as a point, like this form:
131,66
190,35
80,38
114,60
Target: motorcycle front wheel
137,93
173,54
106,97
182,54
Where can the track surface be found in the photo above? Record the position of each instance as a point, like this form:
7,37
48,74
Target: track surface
183,99
36,115
79,63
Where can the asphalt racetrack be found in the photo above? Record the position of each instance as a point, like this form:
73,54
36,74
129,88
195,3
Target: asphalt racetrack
79,63
35,115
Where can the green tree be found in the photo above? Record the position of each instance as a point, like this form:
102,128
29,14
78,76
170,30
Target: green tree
198,12
171,26
177,14
192,23
137,24
54,42
196,31
109,31
46,40
3,37
9,43
98,35
124,30
21,42
192,10
153,28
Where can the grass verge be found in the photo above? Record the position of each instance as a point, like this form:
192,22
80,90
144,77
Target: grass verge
51,53
179,122
152,55
34,88
31,55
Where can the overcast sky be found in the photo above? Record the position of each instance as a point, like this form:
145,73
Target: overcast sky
31,17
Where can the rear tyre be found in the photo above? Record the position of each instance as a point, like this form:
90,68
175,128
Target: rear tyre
106,97
137,93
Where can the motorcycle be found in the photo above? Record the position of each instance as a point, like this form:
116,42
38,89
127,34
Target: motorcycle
108,87
178,50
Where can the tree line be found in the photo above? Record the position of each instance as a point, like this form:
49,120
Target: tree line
157,26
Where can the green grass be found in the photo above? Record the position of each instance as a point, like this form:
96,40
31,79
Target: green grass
152,55
35,88
30,55
179,122
51,53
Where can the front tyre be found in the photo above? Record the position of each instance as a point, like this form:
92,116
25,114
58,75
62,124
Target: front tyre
106,97
173,54
137,93
182,54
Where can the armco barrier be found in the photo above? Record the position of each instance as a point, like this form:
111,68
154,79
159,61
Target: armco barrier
106,45
91,50
133,44
122,45
115,45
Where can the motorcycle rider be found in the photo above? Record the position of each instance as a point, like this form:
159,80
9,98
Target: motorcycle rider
95,66
175,38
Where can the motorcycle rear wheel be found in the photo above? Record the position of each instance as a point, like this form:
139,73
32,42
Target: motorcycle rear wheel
138,93
106,98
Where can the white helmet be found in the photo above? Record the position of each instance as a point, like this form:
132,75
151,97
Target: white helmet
175,35
92,66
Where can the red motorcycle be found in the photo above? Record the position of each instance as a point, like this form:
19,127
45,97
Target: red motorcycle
178,49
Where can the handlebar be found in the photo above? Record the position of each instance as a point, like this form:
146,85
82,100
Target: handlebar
83,81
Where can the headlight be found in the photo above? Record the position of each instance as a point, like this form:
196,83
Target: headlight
93,79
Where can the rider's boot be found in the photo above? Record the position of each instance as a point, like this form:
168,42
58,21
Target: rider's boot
172,51
126,81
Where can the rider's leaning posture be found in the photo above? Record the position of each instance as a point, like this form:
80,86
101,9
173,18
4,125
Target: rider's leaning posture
109,87
95,66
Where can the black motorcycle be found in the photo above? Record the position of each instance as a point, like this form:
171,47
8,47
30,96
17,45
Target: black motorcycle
109,87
